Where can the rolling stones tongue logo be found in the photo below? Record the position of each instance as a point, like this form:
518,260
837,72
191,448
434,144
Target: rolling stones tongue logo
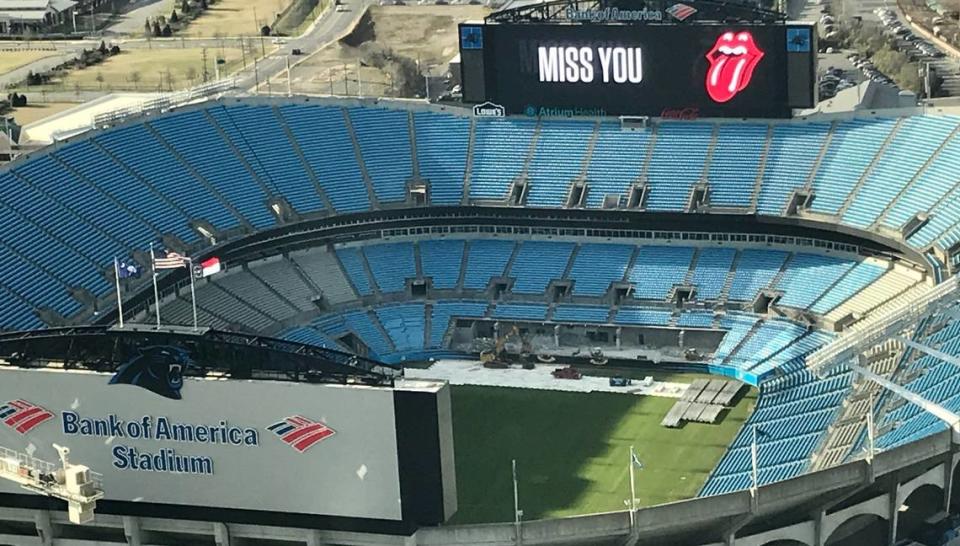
732,60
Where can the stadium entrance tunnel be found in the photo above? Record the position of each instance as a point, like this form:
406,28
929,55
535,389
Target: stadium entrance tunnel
860,530
925,502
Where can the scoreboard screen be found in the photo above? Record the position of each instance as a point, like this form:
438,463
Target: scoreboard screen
653,70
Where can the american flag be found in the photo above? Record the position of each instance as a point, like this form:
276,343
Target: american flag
301,433
22,416
171,261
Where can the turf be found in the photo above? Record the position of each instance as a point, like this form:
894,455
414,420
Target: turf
572,451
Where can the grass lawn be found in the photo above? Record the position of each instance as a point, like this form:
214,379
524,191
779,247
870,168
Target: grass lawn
572,451
10,60
235,18
174,66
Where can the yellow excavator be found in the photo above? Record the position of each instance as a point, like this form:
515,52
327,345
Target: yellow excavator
493,358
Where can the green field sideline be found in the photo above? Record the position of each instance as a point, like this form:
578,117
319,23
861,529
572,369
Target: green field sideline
572,450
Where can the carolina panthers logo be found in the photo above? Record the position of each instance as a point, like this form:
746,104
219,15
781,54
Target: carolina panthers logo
157,368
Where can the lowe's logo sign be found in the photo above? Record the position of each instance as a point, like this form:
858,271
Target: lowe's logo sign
301,436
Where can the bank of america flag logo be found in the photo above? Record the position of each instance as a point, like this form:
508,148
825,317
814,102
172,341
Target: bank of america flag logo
22,416
681,12
301,433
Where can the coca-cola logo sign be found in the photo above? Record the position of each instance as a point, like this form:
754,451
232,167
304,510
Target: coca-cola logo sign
688,113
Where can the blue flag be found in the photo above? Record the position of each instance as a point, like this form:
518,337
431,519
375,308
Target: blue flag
127,269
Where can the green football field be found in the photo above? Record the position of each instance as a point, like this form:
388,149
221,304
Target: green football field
572,451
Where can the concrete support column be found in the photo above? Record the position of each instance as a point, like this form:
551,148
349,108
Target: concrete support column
131,529
619,335
44,527
894,514
947,482
221,534
314,539
818,538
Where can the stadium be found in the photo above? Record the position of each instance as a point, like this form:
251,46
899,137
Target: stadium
491,324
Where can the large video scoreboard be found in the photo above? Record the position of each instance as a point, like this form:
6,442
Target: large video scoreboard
704,70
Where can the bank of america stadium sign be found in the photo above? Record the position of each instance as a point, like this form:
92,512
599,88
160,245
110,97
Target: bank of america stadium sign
298,432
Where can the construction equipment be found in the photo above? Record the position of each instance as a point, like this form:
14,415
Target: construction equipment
567,373
74,483
495,358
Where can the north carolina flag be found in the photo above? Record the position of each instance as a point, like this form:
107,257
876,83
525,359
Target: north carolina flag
209,267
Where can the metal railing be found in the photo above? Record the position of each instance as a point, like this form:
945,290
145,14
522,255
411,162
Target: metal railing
164,103
877,327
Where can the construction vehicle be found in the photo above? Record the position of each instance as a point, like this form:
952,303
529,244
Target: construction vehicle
74,483
567,373
496,357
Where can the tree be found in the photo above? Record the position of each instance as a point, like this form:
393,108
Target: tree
170,80
191,74
100,78
103,48
174,18
203,5
167,31
147,29
162,20
184,6
157,32
114,50
135,78
76,89
265,30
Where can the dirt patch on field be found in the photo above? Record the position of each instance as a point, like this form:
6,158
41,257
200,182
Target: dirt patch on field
383,46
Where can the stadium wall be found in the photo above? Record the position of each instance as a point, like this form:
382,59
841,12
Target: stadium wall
807,509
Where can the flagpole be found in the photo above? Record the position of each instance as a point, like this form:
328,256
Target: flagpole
633,490
753,461
516,503
156,292
116,277
870,432
193,293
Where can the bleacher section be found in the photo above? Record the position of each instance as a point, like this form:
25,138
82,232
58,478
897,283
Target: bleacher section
391,264
677,164
596,266
441,260
793,413
537,263
617,161
557,161
499,152
442,154
734,165
390,167
657,269
755,270
793,150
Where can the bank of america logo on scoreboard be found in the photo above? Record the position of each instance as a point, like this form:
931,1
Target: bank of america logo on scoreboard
22,416
301,433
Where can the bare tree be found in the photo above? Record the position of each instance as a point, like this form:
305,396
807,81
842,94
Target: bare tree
135,78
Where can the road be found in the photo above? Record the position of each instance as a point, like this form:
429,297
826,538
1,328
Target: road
328,27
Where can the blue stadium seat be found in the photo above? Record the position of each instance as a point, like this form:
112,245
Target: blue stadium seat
794,148
808,276
440,260
537,263
596,266
389,167
657,268
199,143
710,273
352,261
617,161
755,270
442,142
557,161
499,152
486,259
332,156
853,147
392,264
677,163
256,130
734,164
